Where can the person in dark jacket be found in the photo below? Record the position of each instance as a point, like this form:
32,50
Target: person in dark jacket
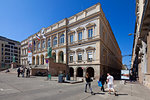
18,71
103,80
28,72
88,83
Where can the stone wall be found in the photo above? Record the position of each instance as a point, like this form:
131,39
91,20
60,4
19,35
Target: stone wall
147,80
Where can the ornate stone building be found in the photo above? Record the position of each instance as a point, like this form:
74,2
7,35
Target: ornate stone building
84,41
141,46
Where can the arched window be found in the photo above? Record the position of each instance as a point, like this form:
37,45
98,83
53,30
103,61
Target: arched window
54,56
39,46
37,60
61,41
61,57
33,60
49,43
42,59
54,41
34,45
43,44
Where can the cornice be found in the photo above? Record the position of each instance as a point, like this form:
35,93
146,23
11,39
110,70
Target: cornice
84,19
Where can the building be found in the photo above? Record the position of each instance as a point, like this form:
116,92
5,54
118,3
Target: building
8,49
141,47
84,41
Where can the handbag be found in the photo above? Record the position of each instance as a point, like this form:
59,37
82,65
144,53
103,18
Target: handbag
99,83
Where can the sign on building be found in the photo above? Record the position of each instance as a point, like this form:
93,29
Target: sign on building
125,74
30,51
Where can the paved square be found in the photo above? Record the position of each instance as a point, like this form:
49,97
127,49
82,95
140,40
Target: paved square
38,88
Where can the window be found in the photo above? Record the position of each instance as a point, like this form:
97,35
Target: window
39,46
79,56
34,48
90,56
71,38
49,43
55,41
71,58
62,39
43,44
90,33
80,36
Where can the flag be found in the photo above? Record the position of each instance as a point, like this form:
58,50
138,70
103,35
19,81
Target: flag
37,37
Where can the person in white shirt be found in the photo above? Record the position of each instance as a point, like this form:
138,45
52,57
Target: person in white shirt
110,82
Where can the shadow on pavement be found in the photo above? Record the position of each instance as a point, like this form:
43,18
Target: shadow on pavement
120,94
99,93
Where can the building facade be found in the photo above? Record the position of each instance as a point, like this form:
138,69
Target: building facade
141,47
8,49
84,41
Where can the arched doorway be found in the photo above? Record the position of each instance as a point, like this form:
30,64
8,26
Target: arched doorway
79,72
42,59
54,56
71,71
90,70
37,60
33,60
61,57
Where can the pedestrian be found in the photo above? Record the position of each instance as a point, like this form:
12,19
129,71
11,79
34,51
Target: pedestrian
131,77
23,71
88,83
102,80
18,71
110,83
28,72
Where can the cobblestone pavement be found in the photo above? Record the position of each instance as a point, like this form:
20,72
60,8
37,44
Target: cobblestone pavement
38,88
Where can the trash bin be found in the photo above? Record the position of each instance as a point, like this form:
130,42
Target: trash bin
67,77
60,78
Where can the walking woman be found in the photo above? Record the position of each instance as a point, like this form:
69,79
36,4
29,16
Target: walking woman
88,83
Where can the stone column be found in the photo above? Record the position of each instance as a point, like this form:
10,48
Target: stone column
148,53
84,72
75,73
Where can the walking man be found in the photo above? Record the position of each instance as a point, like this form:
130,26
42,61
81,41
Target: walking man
110,82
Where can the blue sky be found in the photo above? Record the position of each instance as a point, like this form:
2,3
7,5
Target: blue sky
22,18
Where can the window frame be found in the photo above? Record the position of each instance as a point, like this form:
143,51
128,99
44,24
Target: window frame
38,46
62,39
90,32
70,55
55,41
80,32
89,60
79,54
43,44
